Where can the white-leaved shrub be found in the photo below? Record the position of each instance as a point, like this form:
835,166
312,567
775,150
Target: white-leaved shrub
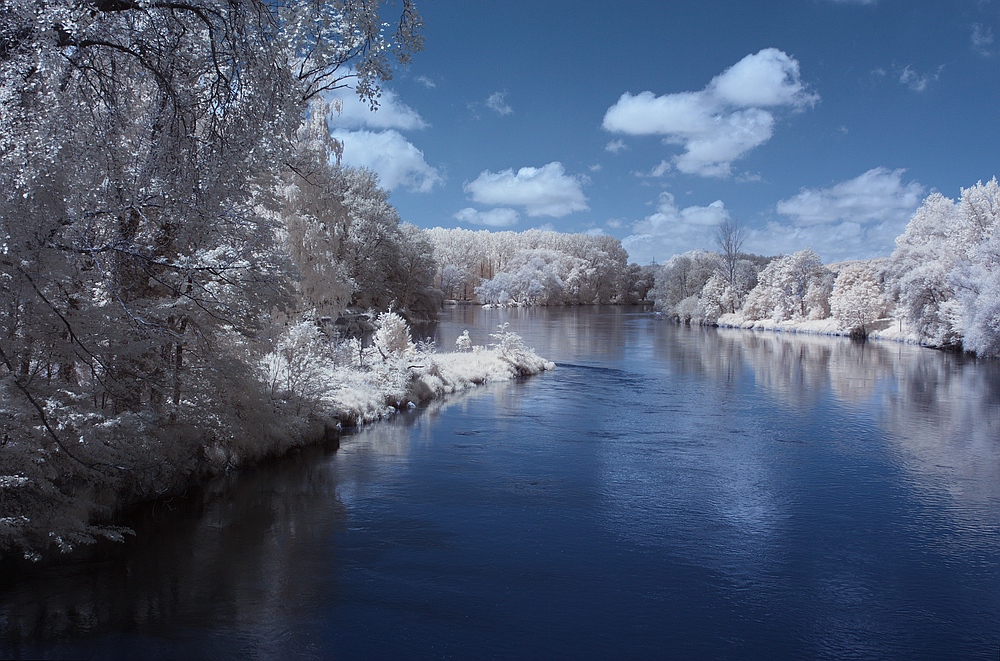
392,336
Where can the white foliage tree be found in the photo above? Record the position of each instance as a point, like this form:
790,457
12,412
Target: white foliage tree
716,298
940,258
922,262
140,148
392,336
857,298
681,278
796,286
976,276
591,269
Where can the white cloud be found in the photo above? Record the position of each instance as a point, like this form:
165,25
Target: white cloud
878,195
711,153
722,122
615,146
502,217
671,230
497,102
372,140
682,114
544,191
767,78
426,82
833,243
396,161
982,39
853,219
391,114
748,177
661,169
918,82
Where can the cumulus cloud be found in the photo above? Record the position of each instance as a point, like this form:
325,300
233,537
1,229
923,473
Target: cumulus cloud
391,114
372,139
397,162
767,78
878,195
672,230
544,191
502,217
426,82
857,218
722,122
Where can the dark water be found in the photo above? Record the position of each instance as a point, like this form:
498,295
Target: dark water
666,492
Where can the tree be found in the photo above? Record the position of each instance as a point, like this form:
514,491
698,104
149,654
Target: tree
313,218
925,255
413,275
140,148
976,275
638,282
857,299
590,268
392,336
682,277
796,286
944,261
730,236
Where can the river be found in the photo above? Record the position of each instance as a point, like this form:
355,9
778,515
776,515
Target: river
665,492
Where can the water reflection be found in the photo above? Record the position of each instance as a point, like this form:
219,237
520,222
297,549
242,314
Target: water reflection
241,553
938,412
557,333
666,490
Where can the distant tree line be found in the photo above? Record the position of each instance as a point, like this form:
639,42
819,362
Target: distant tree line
941,285
536,267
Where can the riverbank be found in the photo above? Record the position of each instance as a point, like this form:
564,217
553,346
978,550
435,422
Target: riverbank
59,501
884,329
363,395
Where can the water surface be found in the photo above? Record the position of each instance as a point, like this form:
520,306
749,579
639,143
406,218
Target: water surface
665,492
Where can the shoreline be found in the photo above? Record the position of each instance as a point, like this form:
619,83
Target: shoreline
350,397
886,330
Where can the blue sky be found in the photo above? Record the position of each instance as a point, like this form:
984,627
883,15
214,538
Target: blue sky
816,123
